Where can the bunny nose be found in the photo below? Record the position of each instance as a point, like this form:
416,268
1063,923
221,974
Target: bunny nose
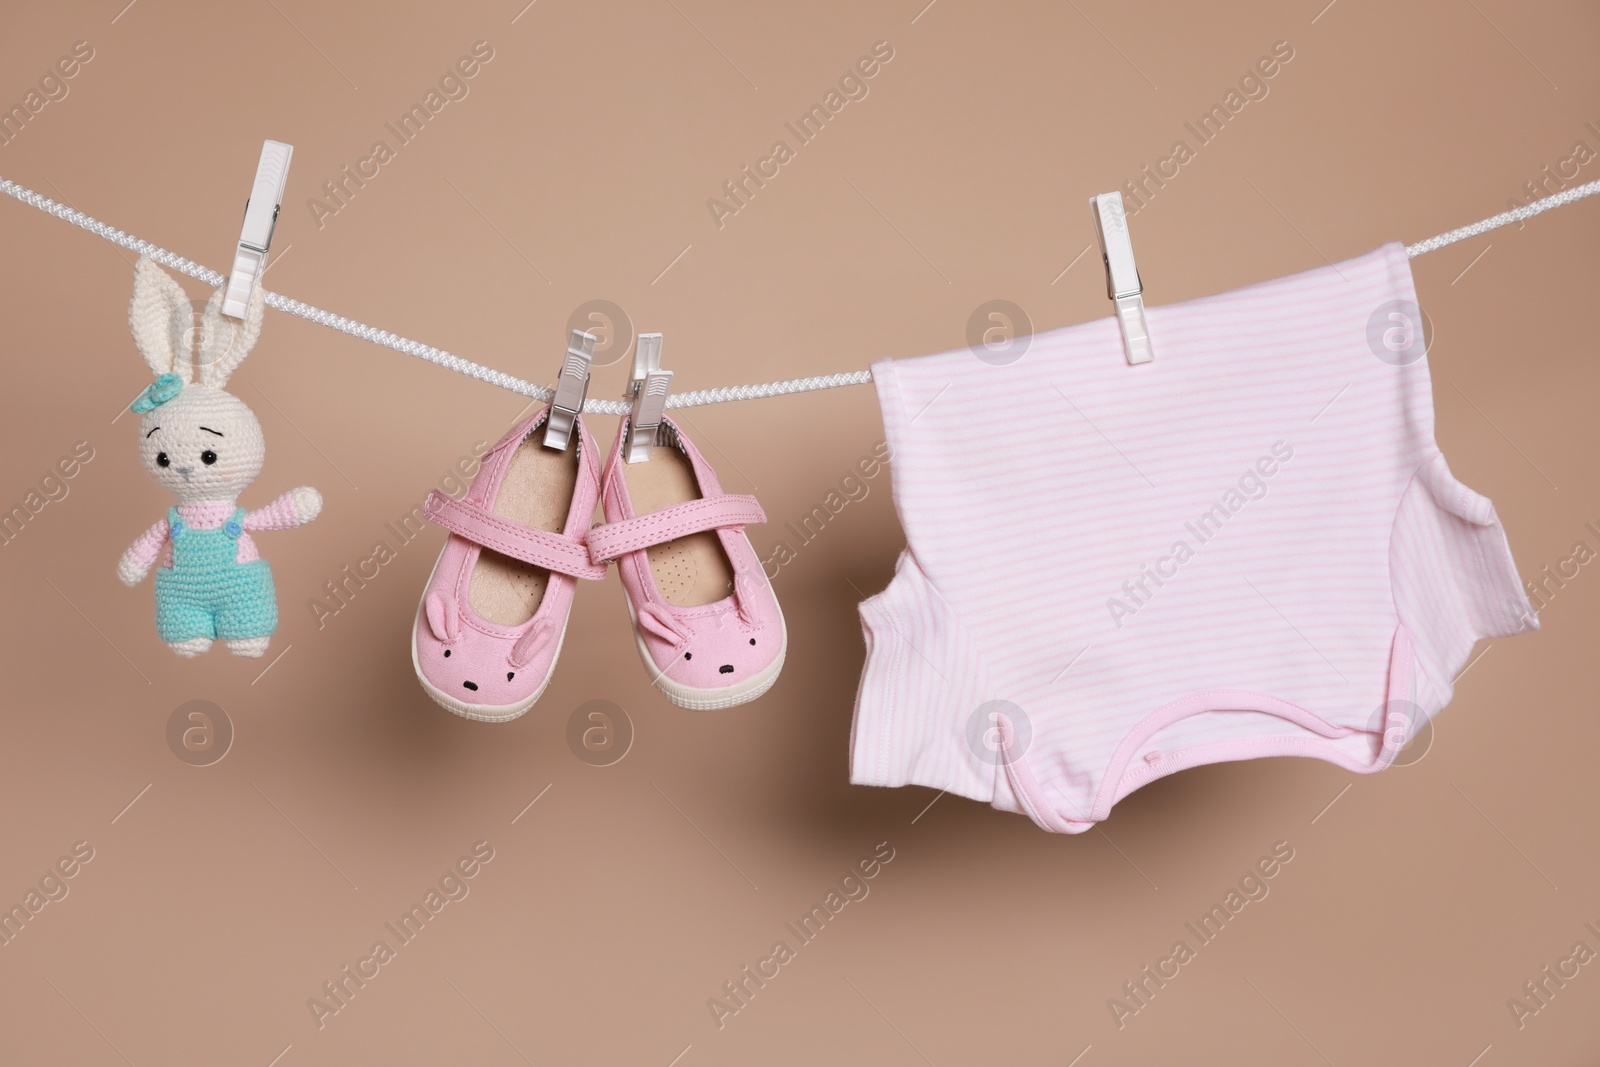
184,470
726,668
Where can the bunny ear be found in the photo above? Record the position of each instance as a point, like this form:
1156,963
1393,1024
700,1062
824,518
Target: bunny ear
444,618
656,621
161,317
224,340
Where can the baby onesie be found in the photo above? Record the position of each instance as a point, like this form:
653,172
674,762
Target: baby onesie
1250,546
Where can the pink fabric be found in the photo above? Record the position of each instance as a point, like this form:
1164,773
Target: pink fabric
712,646
540,547
278,515
482,669
1251,546
729,510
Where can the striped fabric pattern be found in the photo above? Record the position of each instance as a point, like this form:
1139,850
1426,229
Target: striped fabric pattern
1250,546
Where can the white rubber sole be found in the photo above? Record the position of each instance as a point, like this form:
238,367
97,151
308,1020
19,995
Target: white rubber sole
731,696
477,712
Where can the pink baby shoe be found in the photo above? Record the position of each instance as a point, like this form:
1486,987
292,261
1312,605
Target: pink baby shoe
492,617
705,618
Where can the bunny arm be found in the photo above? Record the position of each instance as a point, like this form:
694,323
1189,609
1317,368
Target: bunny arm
294,508
139,557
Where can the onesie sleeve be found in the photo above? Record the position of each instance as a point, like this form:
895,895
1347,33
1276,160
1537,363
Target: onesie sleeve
1453,578
920,709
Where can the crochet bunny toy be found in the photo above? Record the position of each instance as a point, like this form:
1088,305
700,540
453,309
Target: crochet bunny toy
204,446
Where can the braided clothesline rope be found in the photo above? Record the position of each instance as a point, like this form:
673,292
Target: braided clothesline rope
1505,218
697,398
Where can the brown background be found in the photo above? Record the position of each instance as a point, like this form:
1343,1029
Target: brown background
578,167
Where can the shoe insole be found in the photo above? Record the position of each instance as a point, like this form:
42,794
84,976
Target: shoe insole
690,570
537,492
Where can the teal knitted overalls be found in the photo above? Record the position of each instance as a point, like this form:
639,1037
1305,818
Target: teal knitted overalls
207,592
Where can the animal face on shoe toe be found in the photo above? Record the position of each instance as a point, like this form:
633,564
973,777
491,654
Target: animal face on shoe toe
719,662
475,682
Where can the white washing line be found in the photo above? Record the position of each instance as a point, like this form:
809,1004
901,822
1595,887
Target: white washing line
697,398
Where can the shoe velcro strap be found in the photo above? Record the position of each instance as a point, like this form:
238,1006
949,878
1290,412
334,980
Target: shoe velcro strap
542,548
616,539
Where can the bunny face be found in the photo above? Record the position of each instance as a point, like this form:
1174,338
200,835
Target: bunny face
199,442
203,446
712,647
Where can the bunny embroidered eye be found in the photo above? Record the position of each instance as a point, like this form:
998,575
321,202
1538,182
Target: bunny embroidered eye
162,460
208,457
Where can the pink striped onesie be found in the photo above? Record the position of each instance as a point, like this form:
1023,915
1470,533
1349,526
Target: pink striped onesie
1251,546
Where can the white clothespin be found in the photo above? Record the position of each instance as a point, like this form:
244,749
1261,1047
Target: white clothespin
649,390
1122,274
260,217
571,391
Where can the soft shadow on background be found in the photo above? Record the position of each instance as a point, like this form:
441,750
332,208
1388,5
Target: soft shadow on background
582,161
